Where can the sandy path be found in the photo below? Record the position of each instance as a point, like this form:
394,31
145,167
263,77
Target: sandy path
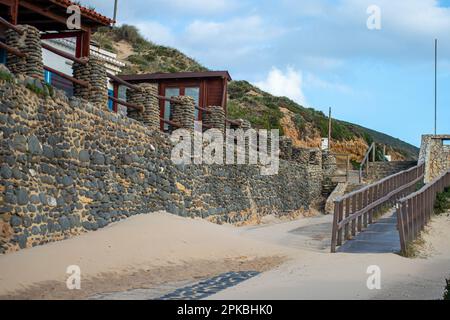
321,275
154,247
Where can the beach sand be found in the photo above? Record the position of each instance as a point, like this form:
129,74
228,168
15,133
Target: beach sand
157,249
139,252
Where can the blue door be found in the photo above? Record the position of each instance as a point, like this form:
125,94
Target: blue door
110,102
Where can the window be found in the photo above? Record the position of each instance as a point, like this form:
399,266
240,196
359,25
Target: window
169,92
190,90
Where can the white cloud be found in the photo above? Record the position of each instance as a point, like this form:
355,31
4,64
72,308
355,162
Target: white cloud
314,81
232,34
288,84
156,32
199,6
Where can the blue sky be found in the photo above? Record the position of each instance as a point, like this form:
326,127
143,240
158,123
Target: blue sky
320,53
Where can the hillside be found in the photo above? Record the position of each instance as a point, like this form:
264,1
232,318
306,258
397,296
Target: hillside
305,126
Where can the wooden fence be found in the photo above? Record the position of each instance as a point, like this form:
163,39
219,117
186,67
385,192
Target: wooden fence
415,210
356,210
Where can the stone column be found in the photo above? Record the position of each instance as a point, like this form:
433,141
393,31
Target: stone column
94,73
183,111
216,118
136,97
150,114
285,148
28,43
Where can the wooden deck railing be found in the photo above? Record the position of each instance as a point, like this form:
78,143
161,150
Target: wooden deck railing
9,25
6,47
356,210
12,50
84,61
64,54
415,210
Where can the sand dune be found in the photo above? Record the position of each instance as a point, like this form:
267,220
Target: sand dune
145,242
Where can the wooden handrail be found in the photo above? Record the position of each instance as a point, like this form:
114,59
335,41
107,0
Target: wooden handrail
12,50
415,211
64,54
361,205
67,77
236,123
349,195
10,26
378,202
124,103
203,109
122,82
136,88
169,122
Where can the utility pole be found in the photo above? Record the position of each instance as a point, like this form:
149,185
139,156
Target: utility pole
435,85
329,130
115,11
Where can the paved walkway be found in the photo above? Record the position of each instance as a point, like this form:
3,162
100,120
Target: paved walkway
380,237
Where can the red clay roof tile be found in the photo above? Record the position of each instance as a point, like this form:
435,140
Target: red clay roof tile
87,12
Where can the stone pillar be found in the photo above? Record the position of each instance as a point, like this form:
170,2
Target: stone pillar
94,73
150,114
329,163
183,111
216,118
136,97
285,148
245,124
28,43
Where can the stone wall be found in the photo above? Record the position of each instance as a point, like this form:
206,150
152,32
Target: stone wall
380,170
435,154
69,166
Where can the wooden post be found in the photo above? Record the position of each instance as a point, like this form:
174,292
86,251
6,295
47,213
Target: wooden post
335,227
116,95
340,231
348,168
14,11
329,130
374,152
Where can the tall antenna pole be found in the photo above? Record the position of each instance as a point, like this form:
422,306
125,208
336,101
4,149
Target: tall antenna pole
435,85
329,130
115,11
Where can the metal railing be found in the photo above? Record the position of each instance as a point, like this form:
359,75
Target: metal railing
415,210
356,210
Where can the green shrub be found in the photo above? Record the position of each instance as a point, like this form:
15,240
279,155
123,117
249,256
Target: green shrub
442,204
355,164
40,90
5,76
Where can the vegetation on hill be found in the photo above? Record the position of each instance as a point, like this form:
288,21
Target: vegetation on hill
146,57
263,110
